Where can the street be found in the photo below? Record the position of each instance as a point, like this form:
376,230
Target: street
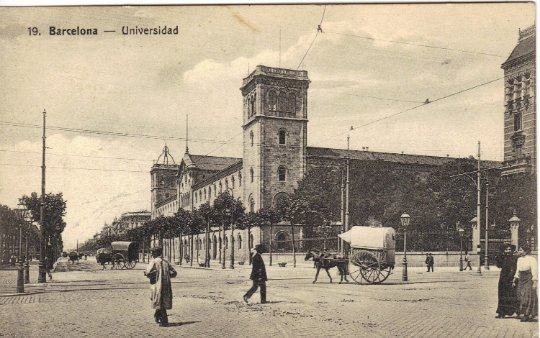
208,303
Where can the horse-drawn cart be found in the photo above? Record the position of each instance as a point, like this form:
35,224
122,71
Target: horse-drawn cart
372,254
122,255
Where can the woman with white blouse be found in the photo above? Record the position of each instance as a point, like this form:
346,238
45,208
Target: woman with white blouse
526,279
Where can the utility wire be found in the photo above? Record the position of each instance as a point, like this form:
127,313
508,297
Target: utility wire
319,30
417,44
102,132
385,99
413,108
73,168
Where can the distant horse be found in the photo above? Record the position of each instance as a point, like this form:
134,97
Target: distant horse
73,256
328,261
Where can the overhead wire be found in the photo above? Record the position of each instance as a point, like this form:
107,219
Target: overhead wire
413,108
417,44
319,30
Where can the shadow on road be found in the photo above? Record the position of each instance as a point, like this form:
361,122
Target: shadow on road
184,323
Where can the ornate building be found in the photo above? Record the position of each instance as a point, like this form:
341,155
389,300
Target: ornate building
520,106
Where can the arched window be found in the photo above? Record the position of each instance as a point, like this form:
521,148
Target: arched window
239,241
220,187
204,193
282,102
517,121
249,106
282,173
292,103
272,101
251,137
251,174
253,100
282,136
226,242
195,197
239,178
226,184
251,203
232,180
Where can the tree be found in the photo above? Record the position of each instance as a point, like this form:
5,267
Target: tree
207,213
54,224
267,217
229,210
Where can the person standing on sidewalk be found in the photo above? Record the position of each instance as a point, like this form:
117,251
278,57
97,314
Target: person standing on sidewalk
508,302
258,276
526,279
430,262
159,271
468,261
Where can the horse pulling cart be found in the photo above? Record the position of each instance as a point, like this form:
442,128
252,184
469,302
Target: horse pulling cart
372,253
122,255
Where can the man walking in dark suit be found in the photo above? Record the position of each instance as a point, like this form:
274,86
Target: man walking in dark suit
258,276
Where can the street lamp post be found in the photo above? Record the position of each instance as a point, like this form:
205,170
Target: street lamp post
461,233
405,219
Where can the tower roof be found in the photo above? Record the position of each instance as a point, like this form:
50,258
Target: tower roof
283,73
165,157
526,45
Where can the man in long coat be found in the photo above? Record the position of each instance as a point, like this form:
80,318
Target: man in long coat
258,276
159,271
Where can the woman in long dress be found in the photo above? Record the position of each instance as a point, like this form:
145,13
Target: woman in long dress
159,271
508,302
526,278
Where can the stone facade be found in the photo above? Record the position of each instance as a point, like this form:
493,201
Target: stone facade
275,158
520,106
163,184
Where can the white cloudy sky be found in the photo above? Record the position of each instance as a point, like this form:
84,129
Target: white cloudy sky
146,85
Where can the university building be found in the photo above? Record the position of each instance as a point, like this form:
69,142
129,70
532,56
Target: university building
520,106
275,158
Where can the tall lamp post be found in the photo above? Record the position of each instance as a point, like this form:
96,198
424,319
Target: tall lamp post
405,219
461,233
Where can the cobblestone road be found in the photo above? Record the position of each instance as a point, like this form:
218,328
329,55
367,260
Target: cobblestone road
208,303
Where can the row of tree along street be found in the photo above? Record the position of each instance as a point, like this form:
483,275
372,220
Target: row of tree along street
19,232
435,201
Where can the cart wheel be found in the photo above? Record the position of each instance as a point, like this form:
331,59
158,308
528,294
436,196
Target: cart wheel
368,265
130,264
383,274
118,261
354,272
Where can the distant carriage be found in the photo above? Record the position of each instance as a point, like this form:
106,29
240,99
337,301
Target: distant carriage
372,255
122,255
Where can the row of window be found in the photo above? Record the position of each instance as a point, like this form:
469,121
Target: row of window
202,195
518,88
275,102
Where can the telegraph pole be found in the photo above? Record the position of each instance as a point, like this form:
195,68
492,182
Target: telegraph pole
342,214
347,186
478,224
42,243
486,259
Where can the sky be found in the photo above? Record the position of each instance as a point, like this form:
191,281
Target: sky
368,68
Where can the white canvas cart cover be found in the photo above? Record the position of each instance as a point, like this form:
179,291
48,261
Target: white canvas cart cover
370,237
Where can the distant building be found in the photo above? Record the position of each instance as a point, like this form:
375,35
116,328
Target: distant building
128,221
520,106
